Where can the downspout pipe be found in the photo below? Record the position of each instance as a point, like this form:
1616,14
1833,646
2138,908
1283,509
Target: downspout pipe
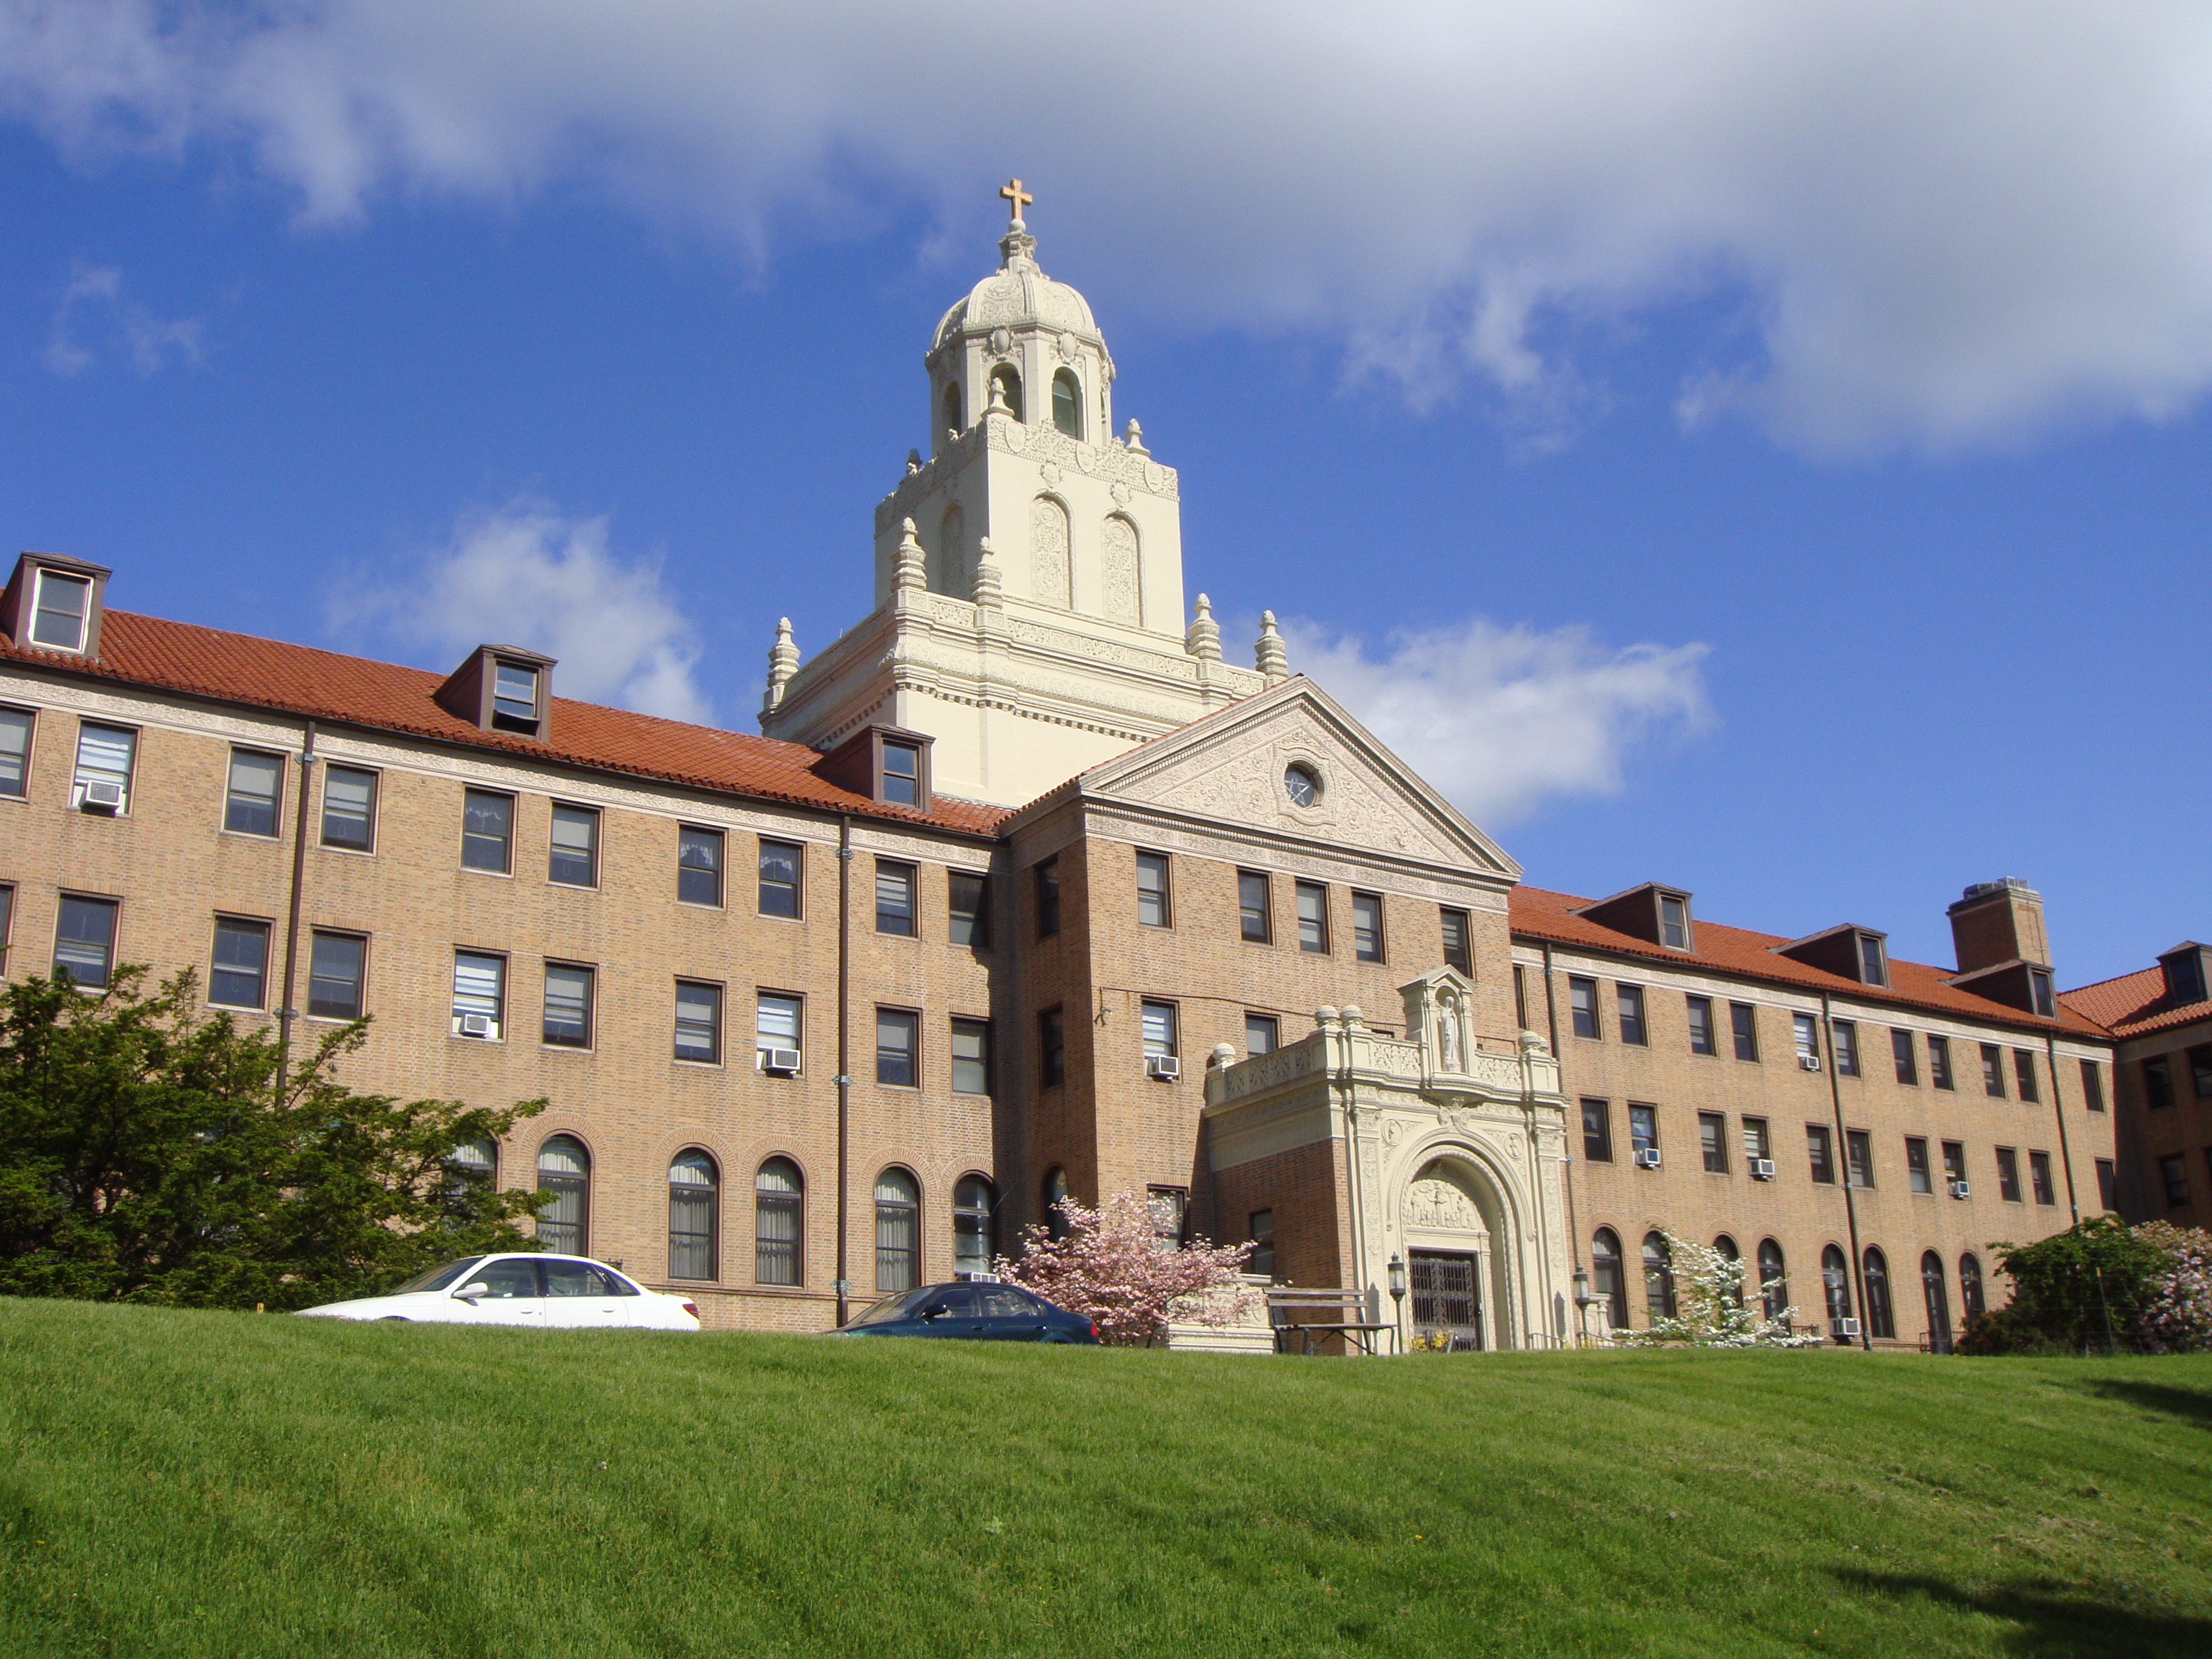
286,1013
844,1078
1567,1164
2059,1112
1843,1150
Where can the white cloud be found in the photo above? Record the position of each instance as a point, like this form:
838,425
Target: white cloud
529,575
1501,720
1931,224
95,293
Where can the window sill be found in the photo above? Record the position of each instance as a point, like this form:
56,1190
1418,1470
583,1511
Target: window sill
478,870
489,1041
584,1049
572,886
699,1064
698,904
253,835
761,915
349,852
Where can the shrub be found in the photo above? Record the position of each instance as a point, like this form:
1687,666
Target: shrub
2100,1285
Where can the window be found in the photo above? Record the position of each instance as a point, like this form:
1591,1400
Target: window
1259,1228
1724,1247
1367,927
1712,1141
1658,1277
1582,1002
1755,1143
2008,1175
1819,1150
1159,1026
487,830
1458,948
104,757
1993,1070
2038,1177
575,860
1872,969
1520,997
14,752
1052,1049
477,1158
1255,920
1153,889
1262,1034
1882,1322
1937,1302
6,923
895,903
1858,1151
975,1232
1170,1205
1773,1281
2158,1082
568,999
1701,1026
564,1169
1607,1282
2200,1071
901,775
1807,1034
970,901
514,697
695,1189
1313,917
1301,785
1673,922
84,941
2108,1184
971,1056
1918,1174
898,1232
779,878
58,615
2092,1085
778,1193
350,809
1048,898
1908,1065
1969,1287
1845,1036
1055,1197
898,1045
249,807
1643,1128
1067,403
2039,992
479,994
1939,1062
953,423
1597,1131
2175,1173
1743,1023
2023,1070
1835,1287
698,866
698,1022
1954,1160
1629,1001
335,962
239,975
776,1023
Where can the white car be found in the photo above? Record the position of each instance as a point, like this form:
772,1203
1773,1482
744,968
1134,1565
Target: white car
547,1292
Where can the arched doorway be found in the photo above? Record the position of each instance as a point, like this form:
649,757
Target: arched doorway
1455,1229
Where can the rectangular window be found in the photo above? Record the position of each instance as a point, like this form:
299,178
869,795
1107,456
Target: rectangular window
898,1048
1262,1034
240,976
1153,889
2008,1175
1993,1070
1846,1035
2158,1082
1259,1228
969,901
6,923
1643,1128
1939,1062
1597,1131
2175,1173
479,994
1052,1049
1159,1020
902,774
568,988
59,612
1313,917
249,806
1673,922
1582,1002
1712,1141
1755,1143
514,697
2092,1085
1520,997
1048,898
971,1056
1170,1205
1255,920
1701,1026
1917,1174
1459,950
895,900
1820,1151
2200,1070
2023,1072
2038,990
698,1022
14,752
1805,1031
350,809
1954,1160
1901,1051
1367,927
1629,1002
2108,1184
698,866
1859,1153
2038,1177
1743,1024
573,860
335,966
487,831
84,940
779,878
104,758
776,1023
1873,969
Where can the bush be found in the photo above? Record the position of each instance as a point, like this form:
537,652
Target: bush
2098,1287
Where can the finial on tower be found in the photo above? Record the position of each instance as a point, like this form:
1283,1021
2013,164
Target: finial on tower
1204,639
1017,247
782,664
1273,663
911,572
1017,199
989,590
1134,440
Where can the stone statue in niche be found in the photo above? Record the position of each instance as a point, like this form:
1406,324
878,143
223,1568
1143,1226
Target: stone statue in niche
1448,1034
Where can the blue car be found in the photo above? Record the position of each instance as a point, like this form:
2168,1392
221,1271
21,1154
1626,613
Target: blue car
984,1312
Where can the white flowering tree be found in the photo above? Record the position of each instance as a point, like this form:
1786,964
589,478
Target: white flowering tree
1710,1308
1111,1267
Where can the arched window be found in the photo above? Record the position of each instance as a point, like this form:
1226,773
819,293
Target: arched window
1836,1284
1724,1247
778,1191
975,1236
1970,1289
1055,1189
1605,1277
953,422
694,1185
1006,382
1880,1320
898,1232
1658,1277
1773,1280
564,1169
1068,403
1938,1301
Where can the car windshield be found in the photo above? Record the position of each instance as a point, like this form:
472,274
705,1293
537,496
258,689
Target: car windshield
438,1278
895,1307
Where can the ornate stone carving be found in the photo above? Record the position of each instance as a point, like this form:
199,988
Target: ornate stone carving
1440,1205
1050,473
1048,553
1119,492
1117,571
1069,346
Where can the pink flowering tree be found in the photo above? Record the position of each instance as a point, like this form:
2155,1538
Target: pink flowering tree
2177,1314
1112,1267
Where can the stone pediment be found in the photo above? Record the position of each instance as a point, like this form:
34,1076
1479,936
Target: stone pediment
1231,766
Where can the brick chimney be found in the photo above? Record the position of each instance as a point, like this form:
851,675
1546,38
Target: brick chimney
1999,922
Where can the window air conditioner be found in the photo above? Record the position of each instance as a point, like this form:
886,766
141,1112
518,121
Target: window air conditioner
1961,1190
476,1025
784,1062
103,796
1845,1326
1762,1169
1166,1067
1810,1062
1647,1157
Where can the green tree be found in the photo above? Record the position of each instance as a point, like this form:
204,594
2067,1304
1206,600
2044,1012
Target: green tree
146,1154
2087,1287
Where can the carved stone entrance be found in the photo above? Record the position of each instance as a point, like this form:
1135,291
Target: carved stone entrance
1447,1298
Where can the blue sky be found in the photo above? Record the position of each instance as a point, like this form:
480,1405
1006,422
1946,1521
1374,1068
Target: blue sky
1821,545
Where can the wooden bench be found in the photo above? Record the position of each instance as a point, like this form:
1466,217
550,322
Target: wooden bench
1352,1322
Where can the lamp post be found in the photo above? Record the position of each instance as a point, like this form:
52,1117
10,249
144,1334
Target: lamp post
1398,1297
1582,1300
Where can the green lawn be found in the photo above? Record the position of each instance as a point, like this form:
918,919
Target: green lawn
178,1484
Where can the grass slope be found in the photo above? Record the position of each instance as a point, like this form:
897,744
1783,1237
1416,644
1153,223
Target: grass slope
180,1484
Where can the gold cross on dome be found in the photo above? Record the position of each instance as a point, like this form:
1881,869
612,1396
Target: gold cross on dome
1017,198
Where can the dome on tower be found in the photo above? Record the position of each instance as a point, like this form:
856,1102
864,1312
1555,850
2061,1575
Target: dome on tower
1018,295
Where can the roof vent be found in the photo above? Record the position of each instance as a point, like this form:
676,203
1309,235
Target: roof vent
502,688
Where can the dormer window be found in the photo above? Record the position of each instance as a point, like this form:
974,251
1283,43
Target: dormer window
1848,952
901,773
1873,961
1068,403
1658,915
54,602
2039,985
1673,922
502,688
2184,973
63,608
514,698
883,764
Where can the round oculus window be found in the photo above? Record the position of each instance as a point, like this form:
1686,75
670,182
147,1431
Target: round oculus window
1301,785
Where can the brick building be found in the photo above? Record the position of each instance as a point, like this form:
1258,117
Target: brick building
2162,1018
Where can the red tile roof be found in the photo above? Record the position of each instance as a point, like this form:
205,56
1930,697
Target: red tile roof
2133,1004
1538,914
299,680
